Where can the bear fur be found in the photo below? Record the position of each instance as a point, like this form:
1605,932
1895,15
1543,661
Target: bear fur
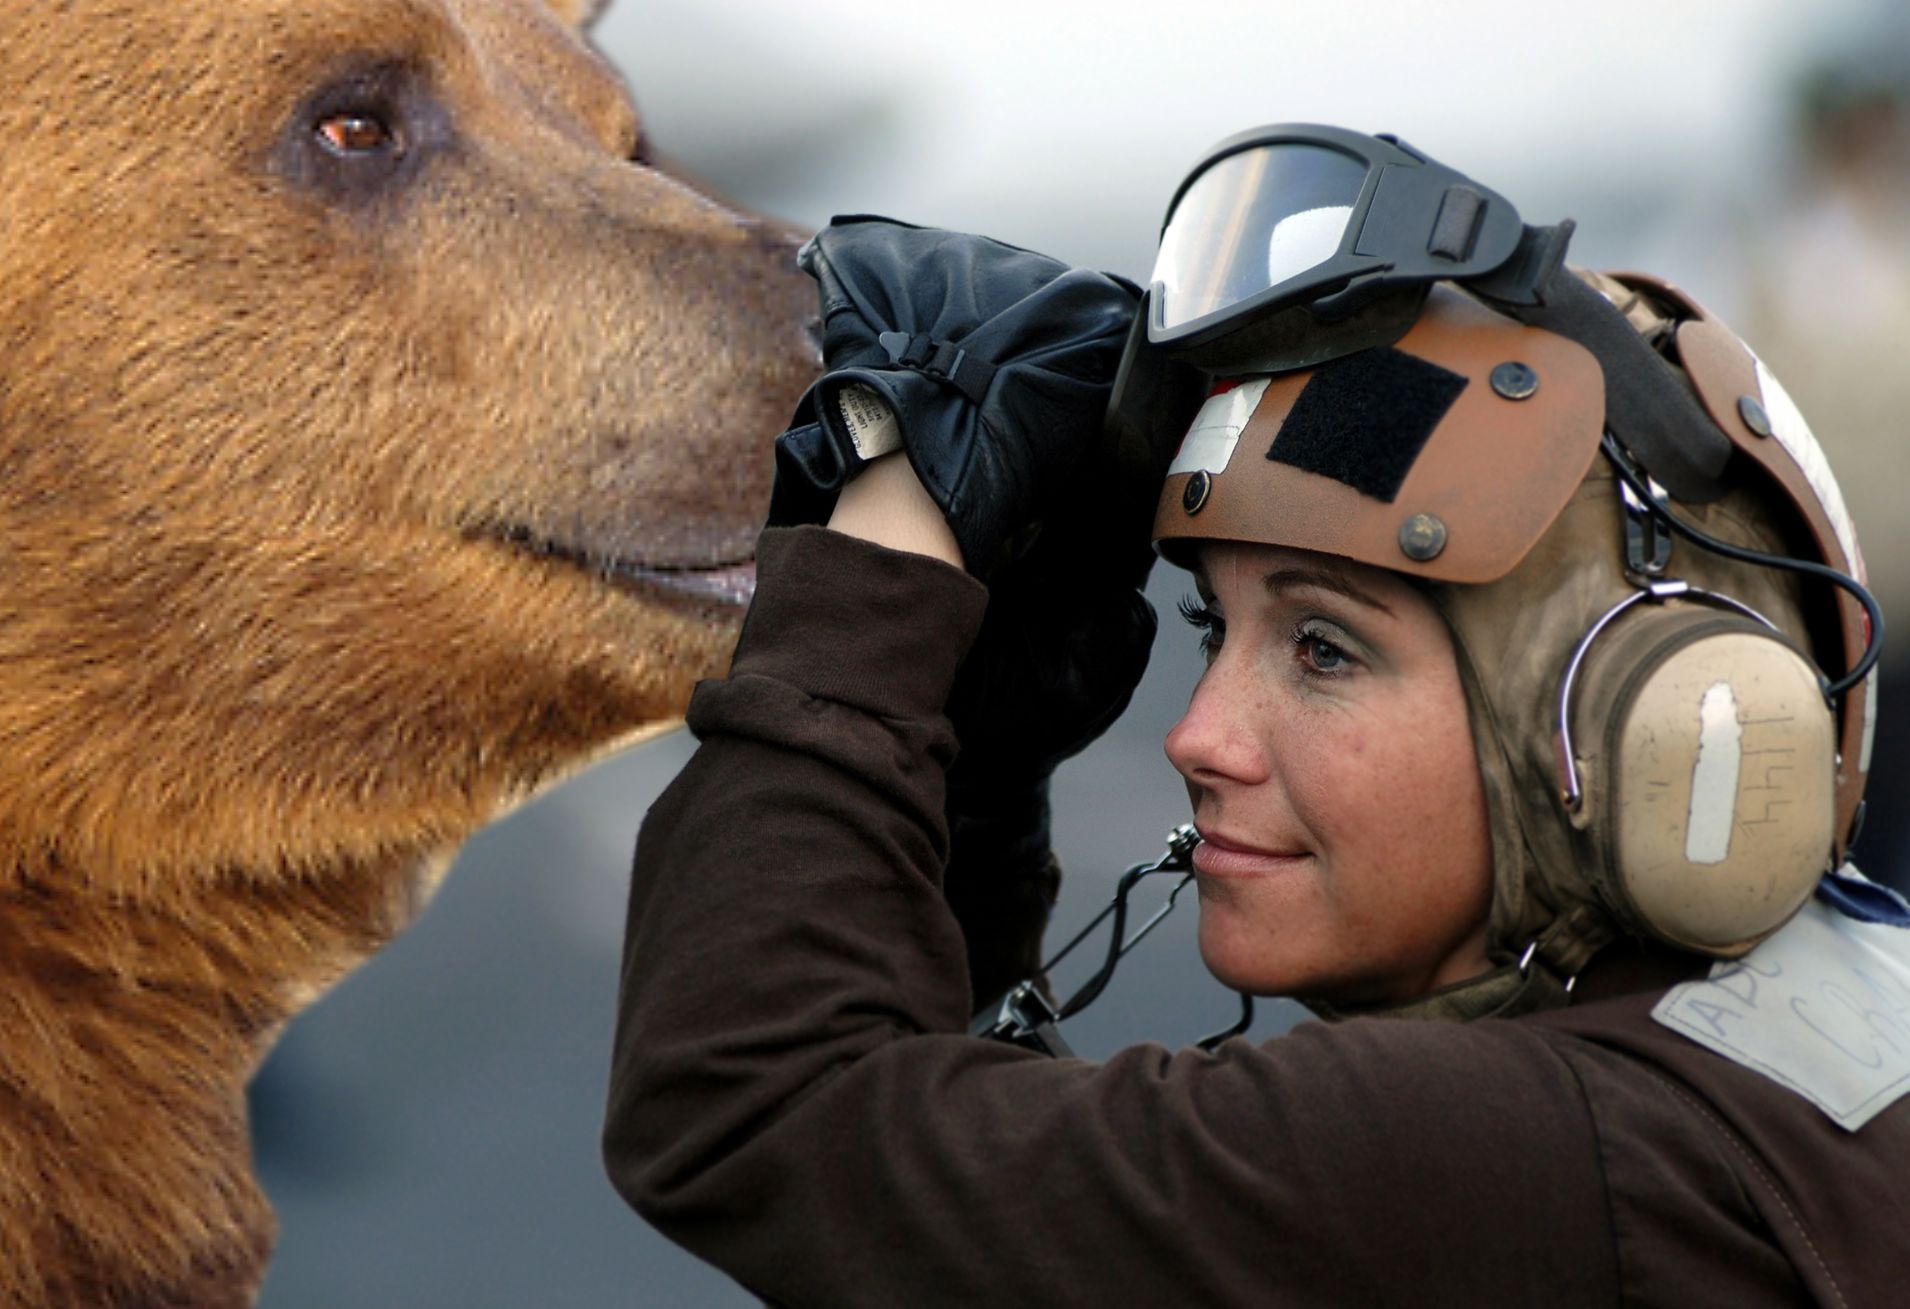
381,437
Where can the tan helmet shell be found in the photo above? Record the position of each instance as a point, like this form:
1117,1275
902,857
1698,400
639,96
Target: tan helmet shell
1492,476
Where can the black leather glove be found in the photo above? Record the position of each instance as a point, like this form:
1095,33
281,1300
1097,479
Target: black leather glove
1064,642
994,362
1062,646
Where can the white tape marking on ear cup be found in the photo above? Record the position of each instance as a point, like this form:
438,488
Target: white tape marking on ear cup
1714,777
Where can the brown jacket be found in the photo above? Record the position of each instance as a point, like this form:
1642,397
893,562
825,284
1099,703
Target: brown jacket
794,1099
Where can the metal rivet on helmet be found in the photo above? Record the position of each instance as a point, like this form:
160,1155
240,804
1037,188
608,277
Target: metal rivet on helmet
1422,537
1751,410
1193,496
1514,380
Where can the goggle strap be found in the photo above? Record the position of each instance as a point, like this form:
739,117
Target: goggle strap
1535,262
1646,405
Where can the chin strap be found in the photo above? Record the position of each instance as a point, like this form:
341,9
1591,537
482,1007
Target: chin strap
1540,979
1505,992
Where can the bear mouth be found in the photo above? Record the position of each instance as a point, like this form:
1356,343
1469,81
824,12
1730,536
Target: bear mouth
729,584
722,584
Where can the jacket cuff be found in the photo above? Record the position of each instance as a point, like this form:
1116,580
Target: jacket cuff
847,620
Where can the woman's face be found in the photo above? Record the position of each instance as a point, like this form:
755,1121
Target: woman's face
1330,761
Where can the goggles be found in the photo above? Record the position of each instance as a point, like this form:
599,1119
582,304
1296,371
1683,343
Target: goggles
1318,222
1293,245
1290,245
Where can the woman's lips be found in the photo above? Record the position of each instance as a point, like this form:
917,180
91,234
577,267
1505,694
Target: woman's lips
1217,856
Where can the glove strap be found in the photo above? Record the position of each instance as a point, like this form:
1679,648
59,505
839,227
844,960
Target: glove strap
942,360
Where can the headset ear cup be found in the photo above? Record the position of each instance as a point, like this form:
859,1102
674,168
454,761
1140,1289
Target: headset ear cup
1716,805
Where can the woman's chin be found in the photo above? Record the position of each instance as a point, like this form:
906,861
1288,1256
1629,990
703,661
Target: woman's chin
1241,961
1244,956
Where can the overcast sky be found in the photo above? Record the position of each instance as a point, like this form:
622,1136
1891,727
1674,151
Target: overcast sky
1065,125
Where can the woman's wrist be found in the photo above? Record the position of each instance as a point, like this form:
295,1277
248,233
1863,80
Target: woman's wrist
887,505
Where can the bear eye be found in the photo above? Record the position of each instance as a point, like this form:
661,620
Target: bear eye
364,135
356,134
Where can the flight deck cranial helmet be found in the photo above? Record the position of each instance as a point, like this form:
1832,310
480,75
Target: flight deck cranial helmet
1651,580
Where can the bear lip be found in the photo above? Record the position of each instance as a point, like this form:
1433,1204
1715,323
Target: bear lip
722,582
727,584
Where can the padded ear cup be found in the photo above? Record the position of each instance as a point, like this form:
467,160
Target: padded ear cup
1712,796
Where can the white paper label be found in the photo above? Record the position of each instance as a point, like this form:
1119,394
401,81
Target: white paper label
1822,1007
871,423
1209,443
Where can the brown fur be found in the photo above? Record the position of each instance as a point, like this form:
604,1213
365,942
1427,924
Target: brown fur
309,490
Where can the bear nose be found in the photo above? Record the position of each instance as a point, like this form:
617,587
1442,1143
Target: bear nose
782,245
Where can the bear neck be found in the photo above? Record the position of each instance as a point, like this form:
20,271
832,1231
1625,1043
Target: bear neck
129,1031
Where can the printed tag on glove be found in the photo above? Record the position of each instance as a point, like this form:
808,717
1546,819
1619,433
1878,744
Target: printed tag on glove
1822,1007
871,423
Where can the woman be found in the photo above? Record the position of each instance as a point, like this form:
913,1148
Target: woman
1420,523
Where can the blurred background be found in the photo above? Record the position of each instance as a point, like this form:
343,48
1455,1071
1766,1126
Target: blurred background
429,1132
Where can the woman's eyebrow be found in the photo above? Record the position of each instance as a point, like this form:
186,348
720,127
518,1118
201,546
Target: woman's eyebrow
1282,578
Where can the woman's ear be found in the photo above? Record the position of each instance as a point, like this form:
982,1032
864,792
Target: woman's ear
579,13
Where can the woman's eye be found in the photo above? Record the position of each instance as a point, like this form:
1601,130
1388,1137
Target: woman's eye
356,134
1213,628
1324,655
1320,654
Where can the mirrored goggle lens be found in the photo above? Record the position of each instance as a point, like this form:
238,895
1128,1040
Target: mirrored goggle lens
1252,221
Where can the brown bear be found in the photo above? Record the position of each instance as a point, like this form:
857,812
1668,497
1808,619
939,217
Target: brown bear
382,435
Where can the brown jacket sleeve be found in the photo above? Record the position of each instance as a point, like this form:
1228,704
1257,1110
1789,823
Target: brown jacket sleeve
793,1098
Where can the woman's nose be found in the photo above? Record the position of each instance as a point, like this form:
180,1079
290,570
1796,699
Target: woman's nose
1214,741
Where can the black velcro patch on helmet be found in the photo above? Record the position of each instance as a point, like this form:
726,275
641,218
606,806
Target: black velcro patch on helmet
1363,420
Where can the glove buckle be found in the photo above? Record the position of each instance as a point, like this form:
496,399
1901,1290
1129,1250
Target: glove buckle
941,360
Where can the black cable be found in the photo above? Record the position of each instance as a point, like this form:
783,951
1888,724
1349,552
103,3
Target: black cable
1630,474
1091,989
